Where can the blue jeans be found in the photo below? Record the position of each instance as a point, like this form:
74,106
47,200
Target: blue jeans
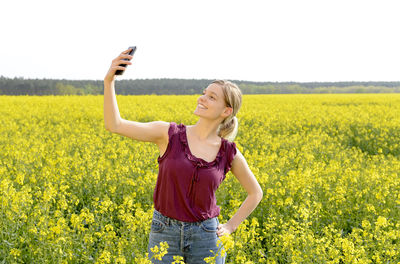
192,241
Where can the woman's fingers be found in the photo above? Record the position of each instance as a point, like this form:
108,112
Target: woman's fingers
119,62
220,230
123,56
224,229
117,67
126,51
123,62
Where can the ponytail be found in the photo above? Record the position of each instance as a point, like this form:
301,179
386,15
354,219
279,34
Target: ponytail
229,128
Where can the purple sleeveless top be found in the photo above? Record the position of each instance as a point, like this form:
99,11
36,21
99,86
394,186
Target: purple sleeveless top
186,185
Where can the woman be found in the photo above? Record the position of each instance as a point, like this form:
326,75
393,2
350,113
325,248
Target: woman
193,162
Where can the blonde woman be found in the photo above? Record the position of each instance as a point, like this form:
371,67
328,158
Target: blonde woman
193,161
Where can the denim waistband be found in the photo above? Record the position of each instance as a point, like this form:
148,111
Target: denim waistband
167,220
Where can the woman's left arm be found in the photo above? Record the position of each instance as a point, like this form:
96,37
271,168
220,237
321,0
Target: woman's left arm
254,194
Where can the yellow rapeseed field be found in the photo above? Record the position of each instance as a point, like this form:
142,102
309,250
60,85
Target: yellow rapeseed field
72,192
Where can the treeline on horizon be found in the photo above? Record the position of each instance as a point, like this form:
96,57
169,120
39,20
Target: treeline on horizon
21,86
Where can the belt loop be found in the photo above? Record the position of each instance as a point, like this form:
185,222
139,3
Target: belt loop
166,220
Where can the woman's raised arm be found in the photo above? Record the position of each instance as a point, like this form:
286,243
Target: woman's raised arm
111,112
156,131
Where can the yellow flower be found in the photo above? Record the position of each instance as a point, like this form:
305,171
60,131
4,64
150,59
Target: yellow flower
381,221
159,252
120,260
15,252
178,260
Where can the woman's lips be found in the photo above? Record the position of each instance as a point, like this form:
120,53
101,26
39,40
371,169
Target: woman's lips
201,106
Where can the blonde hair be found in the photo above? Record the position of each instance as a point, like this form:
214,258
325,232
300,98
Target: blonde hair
233,98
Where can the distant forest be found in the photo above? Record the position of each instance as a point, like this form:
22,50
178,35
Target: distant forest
21,86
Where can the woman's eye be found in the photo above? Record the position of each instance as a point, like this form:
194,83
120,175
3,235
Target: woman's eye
212,97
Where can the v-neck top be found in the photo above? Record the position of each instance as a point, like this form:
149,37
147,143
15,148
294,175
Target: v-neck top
186,184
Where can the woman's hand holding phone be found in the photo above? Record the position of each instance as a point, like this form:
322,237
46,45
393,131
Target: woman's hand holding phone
119,64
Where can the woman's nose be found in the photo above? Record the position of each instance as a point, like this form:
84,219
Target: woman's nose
201,98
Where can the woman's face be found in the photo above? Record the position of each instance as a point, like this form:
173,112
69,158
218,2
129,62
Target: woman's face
212,104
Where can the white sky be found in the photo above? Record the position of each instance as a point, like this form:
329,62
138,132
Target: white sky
280,40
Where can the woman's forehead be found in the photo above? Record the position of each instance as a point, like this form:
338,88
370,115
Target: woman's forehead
215,88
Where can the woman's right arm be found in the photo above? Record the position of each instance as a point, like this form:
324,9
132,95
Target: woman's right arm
156,131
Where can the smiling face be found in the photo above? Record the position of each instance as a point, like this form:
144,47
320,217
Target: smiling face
211,104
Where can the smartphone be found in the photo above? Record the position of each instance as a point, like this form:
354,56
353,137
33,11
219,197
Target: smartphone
120,72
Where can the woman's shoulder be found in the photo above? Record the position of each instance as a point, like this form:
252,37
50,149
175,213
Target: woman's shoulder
230,144
231,150
175,128
230,153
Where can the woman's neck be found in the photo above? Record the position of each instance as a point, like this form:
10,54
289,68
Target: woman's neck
204,130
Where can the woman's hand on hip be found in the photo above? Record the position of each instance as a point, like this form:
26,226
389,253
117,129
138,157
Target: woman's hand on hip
224,229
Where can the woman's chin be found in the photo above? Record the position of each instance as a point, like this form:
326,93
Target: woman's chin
198,113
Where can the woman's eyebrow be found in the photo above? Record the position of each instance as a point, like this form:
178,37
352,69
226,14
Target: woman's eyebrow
211,92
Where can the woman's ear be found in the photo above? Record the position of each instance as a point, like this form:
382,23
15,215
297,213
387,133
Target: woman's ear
228,111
